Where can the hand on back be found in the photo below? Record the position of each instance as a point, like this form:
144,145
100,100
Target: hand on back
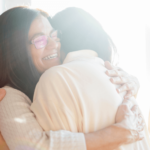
120,77
130,118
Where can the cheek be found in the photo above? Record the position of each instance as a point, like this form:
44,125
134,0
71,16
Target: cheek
37,58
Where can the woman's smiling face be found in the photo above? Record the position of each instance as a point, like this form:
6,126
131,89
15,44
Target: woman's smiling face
48,56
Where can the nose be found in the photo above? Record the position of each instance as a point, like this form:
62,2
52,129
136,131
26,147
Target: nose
51,44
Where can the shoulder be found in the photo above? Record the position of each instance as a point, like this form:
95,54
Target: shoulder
54,73
14,95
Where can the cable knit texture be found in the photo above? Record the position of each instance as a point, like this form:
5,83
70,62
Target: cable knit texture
21,130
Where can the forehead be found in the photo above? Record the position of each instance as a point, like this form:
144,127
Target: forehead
40,25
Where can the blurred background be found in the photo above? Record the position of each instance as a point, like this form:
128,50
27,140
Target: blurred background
128,24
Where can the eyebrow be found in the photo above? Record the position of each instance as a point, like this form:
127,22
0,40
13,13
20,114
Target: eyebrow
40,33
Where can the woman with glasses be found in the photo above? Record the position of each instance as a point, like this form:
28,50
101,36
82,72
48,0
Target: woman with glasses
28,47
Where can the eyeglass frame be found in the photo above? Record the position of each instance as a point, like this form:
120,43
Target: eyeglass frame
58,32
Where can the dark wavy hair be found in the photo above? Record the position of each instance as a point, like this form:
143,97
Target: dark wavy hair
80,30
16,67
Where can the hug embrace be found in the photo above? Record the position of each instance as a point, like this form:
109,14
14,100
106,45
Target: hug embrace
58,89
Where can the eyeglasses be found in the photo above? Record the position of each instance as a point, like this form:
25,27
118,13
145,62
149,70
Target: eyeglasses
42,40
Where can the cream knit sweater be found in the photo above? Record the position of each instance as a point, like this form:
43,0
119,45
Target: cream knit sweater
21,130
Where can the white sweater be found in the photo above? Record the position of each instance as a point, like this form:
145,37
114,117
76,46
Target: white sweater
21,130
78,96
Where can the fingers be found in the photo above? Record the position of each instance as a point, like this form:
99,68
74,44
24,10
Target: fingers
108,65
116,73
140,124
140,128
141,136
130,94
136,136
124,111
135,110
2,94
130,87
118,80
128,103
128,83
131,120
126,87
120,77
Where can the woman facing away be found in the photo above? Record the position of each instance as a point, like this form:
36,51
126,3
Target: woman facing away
18,76
63,95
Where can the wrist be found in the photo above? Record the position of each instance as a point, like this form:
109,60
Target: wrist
107,139
122,135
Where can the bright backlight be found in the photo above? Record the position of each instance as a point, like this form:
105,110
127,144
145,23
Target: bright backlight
124,21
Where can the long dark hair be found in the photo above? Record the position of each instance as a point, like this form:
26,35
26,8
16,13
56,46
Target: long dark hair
16,67
80,30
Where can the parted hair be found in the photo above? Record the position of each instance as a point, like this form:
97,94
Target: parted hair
16,66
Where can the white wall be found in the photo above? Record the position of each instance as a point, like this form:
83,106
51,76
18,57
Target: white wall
13,3
6,4
1,6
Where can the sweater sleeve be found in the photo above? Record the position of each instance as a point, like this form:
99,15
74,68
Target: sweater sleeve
21,130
